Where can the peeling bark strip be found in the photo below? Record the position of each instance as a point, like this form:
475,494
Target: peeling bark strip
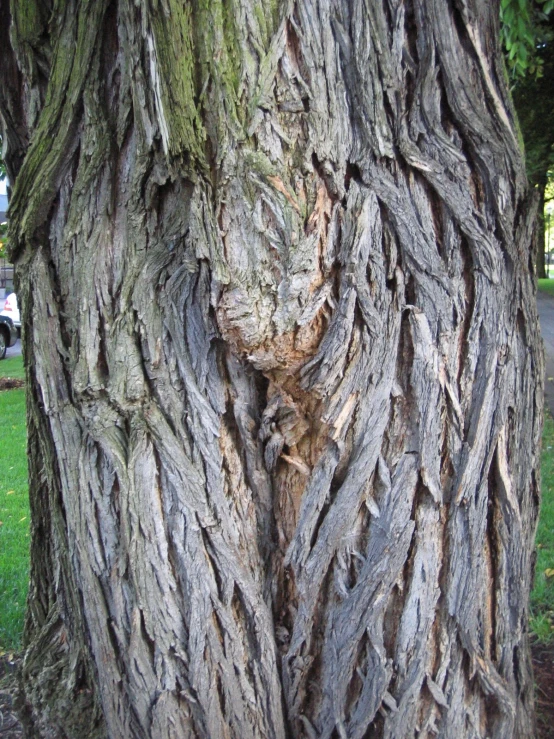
285,376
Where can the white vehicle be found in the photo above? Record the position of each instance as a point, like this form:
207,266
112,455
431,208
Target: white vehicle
11,309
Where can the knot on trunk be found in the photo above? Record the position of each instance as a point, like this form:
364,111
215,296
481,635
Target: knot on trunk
280,242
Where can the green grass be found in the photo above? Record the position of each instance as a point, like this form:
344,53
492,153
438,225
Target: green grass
546,286
542,597
14,514
12,367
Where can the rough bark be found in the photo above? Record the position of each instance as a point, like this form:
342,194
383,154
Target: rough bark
284,368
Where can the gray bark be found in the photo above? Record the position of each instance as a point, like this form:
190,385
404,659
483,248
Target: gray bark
284,368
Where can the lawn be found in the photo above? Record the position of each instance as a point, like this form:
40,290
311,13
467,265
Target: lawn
12,367
546,286
14,509
542,597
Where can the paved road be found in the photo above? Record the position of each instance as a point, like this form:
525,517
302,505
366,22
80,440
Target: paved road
15,350
545,305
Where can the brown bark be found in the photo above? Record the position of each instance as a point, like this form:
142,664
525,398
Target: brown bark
285,375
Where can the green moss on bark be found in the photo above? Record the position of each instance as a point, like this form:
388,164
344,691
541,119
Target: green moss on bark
38,180
180,122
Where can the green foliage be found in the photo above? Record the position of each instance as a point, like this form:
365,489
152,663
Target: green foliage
524,30
3,240
530,25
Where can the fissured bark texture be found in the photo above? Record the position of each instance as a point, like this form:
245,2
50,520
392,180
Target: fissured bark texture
284,368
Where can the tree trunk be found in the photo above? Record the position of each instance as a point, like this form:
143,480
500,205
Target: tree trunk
541,230
284,368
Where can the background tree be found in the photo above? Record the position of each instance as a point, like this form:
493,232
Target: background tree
3,226
284,375
528,33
